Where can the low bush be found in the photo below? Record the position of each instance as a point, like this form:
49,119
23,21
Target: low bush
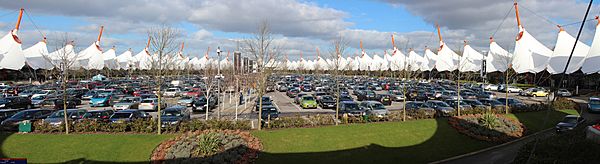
564,104
208,146
488,127
142,126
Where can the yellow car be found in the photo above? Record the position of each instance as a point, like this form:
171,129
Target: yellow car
537,92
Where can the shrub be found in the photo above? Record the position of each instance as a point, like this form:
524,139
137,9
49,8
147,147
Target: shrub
488,127
86,126
143,126
44,127
208,144
564,104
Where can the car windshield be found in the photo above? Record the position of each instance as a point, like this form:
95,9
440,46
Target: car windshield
37,98
378,106
23,115
147,101
351,106
127,100
571,120
92,115
595,102
121,115
327,98
59,114
100,96
269,110
169,113
308,98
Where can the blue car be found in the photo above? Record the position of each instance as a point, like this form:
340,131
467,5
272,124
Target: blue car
101,100
594,105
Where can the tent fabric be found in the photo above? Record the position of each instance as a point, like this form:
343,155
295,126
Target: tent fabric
37,56
562,51
431,59
144,60
125,60
377,64
11,53
497,59
109,58
470,61
365,62
414,61
529,55
590,64
398,60
65,56
91,57
447,59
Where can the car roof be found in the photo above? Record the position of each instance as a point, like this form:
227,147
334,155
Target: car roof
127,111
570,116
8,110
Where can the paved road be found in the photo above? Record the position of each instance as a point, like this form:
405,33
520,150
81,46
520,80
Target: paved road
506,153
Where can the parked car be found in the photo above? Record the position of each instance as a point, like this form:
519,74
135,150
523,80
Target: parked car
308,101
58,117
200,103
455,104
43,93
12,123
569,123
366,95
327,102
385,99
397,95
72,103
103,100
291,93
511,89
28,93
298,98
350,108
374,108
40,101
491,102
15,102
7,113
441,108
563,93
129,115
594,105
269,113
186,101
346,97
420,106
475,103
151,104
512,102
128,103
89,94
174,115
172,92
491,87
486,95
266,101
99,115
535,92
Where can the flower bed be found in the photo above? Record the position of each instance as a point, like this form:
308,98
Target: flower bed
209,146
488,127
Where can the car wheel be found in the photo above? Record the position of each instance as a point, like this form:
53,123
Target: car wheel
534,95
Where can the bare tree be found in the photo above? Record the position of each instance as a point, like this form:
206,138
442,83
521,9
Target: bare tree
63,59
336,53
262,48
163,47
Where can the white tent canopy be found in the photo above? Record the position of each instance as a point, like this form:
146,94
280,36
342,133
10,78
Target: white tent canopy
497,58
530,55
562,51
590,64
470,61
11,53
91,57
110,61
37,56
126,60
431,59
447,59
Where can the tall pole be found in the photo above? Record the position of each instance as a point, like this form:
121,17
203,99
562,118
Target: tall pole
19,19
219,81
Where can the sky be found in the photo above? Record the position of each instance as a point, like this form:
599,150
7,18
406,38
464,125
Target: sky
299,26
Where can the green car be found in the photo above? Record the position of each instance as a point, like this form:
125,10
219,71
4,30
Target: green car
308,102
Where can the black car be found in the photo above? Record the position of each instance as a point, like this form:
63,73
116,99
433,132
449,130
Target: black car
129,115
7,113
72,102
57,117
12,123
385,99
269,113
15,102
422,106
77,92
266,101
569,123
366,95
174,115
200,103
98,115
346,97
350,109
326,102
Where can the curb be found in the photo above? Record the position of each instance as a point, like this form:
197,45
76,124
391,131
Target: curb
490,148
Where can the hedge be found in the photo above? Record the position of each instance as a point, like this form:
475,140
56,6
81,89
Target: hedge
141,126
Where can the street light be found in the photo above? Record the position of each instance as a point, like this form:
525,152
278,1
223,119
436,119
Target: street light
219,80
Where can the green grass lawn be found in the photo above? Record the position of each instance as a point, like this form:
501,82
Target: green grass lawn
60,148
417,141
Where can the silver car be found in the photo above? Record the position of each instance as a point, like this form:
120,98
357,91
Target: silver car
128,103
